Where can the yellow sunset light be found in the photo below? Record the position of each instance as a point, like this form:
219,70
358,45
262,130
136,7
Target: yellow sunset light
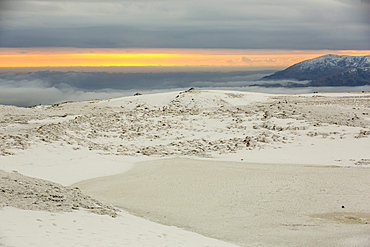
55,57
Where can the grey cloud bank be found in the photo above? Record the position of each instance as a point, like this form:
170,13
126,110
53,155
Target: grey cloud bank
49,87
248,24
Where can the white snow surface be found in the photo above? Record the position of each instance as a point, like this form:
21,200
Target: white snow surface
79,228
71,142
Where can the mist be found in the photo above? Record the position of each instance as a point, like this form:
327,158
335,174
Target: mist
50,87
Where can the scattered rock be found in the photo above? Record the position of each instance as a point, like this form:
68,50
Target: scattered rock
190,90
363,162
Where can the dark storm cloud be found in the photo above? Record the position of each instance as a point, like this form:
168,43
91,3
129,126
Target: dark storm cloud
286,24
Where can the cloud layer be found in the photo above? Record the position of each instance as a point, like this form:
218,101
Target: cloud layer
245,24
48,87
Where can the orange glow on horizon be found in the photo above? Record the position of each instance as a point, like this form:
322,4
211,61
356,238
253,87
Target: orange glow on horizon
63,57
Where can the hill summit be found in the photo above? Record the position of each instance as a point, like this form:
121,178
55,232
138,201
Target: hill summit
328,70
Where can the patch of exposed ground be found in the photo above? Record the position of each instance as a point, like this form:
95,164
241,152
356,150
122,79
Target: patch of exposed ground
346,217
29,193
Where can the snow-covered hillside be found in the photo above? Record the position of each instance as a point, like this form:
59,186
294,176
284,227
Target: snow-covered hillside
334,62
265,185
321,67
193,122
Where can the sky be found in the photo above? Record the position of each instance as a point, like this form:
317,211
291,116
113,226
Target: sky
179,33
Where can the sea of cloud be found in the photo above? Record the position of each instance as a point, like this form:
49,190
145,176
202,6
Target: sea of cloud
49,87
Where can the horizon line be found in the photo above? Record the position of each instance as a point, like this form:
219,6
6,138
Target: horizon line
104,57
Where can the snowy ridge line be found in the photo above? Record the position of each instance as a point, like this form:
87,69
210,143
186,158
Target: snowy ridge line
335,61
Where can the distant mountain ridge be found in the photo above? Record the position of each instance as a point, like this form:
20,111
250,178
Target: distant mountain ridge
328,70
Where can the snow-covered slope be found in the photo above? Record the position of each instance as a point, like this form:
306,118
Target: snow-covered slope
193,122
319,67
334,61
189,99
278,141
